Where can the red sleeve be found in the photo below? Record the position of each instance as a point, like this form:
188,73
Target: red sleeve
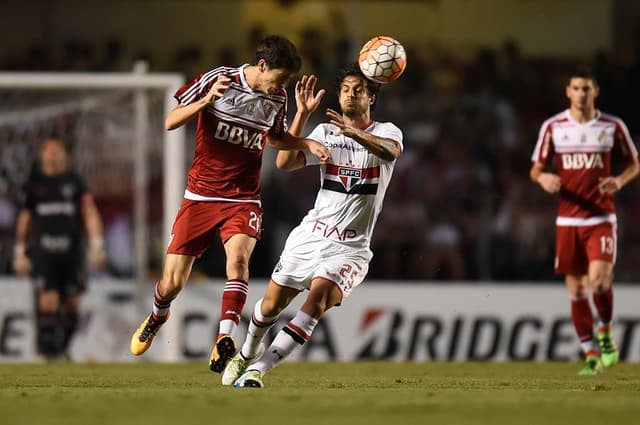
198,87
544,149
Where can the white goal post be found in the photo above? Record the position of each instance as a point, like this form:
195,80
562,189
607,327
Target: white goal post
139,83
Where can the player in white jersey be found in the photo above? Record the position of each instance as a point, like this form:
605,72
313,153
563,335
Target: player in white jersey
328,252
583,141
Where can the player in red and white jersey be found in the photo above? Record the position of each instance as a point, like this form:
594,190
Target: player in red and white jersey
328,252
583,141
239,111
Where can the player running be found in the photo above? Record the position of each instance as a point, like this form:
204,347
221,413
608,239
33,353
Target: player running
584,140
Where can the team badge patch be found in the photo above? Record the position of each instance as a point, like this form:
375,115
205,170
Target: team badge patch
350,180
349,177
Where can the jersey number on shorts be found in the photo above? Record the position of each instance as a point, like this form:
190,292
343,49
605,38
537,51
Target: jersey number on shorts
348,274
606,244
255,222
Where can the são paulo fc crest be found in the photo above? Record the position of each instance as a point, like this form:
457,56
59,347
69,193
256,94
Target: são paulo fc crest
351,180
349,177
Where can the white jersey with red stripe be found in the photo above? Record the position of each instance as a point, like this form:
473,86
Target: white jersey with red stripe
353,186
230,136
583,155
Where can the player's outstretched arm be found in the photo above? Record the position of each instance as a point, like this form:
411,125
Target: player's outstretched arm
288,142
548,181
382,147
182,114
307,102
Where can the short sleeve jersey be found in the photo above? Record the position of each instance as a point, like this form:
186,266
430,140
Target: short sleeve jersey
55,203
230,136
583,155
353,185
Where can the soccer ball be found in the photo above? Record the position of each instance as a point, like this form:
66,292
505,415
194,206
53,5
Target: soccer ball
382,59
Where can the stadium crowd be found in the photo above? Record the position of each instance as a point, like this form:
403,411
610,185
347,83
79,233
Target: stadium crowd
461,205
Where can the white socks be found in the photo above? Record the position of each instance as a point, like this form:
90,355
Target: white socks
258,327
293,335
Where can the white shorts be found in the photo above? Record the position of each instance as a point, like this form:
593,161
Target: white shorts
307,256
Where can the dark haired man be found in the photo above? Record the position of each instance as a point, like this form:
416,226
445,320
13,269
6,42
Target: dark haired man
583,141
328,253
239,110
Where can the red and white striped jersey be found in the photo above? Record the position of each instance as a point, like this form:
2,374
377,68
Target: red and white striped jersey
230,136
583,155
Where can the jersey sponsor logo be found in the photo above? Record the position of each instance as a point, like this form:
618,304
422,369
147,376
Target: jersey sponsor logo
55,243
238,136
333,231
579,161
347,146
56,208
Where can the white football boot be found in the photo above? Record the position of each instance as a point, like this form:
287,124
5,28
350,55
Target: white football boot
238,364
250,379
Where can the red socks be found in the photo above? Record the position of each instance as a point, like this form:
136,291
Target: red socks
582,318
604,304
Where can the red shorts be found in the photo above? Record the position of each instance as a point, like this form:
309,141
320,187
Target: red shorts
194,228
577,246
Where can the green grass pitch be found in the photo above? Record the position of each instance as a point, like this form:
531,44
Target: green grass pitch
320,393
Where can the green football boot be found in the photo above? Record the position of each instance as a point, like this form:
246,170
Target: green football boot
593,366
608,349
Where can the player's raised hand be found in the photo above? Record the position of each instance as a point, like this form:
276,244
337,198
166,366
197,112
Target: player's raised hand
337,120
609,184
306,100
218,88
550,182
319,150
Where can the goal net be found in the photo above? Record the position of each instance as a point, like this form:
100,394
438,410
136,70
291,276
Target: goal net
114,125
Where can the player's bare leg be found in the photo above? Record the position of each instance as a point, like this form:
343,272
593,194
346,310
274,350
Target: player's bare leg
600,277
177,269
582,318
238,250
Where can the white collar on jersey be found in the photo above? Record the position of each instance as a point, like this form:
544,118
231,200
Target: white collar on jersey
591,121
243,79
